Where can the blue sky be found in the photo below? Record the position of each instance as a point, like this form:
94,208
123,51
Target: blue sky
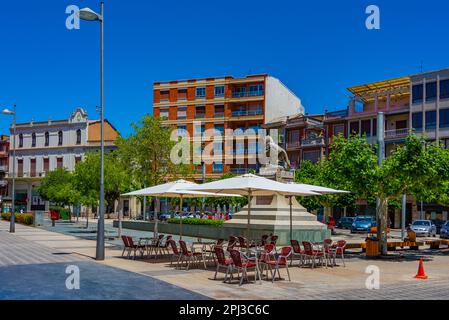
317,48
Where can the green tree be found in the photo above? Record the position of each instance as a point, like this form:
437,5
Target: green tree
352,165
87,178
58,188
145,154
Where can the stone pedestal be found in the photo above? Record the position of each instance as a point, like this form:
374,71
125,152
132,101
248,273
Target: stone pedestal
271,215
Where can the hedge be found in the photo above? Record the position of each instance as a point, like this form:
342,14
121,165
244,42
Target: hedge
24,218
197,221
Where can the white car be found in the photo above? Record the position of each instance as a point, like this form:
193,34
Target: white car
424,228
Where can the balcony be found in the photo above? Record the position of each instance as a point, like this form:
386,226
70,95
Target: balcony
3,168
313,142
242,94
247,113
242,170
396,133
3,183
42,174
293,144
219,114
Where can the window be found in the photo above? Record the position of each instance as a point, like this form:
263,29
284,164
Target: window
20,167
218,167
20,140
164,114
374,127
200,112
78,159
401,124
32,167
46,165
60,139
431,119
219,129
339,129
366,127
444,89
219,91
182,113
33,139
354,127
182,131
255,90
201,92
219,111
313,156
417,121
431,91
165,95
78,136
182,94
199,130
47,139
59,163
417,93
444,118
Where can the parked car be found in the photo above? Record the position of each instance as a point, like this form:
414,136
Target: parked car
444,232
345,222
424,228
363,224
438,224
164,216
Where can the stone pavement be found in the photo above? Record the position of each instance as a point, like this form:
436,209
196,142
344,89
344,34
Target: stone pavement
396,275
30,269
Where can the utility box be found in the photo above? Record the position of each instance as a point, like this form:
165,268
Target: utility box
372,247
38,218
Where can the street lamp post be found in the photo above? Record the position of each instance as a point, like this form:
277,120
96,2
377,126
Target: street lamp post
12,225
89,15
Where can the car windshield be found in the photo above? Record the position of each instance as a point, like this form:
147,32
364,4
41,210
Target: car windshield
421,223
446,224
363,219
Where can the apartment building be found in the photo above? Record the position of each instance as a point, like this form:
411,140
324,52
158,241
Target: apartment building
4,151
225,103
42,147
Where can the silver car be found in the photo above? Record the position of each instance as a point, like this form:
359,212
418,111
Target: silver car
424,228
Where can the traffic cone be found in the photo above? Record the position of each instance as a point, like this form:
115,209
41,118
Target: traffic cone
421,274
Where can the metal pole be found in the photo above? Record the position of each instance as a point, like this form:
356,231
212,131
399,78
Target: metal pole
100,230
203,200
291,219
249,215
180,222
404,204
380,158
12,224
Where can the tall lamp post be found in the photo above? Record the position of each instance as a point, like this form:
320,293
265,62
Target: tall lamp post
89,15
12,225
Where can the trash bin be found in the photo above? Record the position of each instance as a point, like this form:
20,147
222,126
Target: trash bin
372,247
38,218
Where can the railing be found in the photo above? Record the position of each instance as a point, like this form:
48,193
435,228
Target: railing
312,142
237,94
200,115
26,174
242,170
3,168
396,133
294,144
245,113
219,114
3,183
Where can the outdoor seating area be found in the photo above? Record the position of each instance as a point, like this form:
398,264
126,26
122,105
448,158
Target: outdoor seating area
240,259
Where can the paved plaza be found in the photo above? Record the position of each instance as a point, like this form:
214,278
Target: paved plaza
33,263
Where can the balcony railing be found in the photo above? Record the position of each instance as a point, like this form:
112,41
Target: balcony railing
245,113
26,174
219,114
242,170
3,183
237,94
309,142
396,133
3,168
294,144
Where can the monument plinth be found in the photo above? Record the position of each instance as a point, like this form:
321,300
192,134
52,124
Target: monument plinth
271,214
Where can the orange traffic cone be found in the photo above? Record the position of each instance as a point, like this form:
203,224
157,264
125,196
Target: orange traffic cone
421,274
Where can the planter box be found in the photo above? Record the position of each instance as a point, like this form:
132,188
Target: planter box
214,233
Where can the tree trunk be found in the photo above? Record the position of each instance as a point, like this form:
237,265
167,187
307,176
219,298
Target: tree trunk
382,218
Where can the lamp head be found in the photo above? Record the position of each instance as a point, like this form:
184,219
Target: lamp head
89,15
7,111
